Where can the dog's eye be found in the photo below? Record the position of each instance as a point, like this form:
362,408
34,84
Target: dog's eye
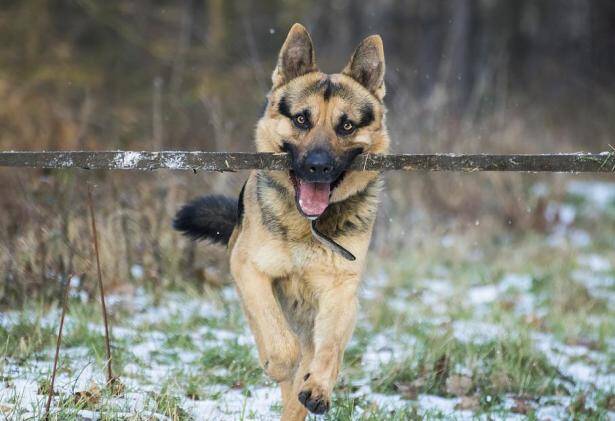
345,128
301,122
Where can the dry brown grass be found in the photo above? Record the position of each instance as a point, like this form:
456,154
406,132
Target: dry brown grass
44,232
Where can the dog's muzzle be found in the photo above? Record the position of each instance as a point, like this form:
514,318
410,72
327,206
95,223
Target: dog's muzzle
314,176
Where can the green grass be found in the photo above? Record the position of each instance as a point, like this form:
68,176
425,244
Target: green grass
236,361
168,404
498,367
26,337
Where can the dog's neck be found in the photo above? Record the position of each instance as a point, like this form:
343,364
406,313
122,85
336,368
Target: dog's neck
350,216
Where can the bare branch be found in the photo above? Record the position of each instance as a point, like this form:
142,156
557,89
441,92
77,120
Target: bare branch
52,381
110,378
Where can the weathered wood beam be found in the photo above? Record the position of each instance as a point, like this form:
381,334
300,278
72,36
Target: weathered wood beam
233,161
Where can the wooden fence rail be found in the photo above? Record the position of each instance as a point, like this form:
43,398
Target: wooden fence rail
233,161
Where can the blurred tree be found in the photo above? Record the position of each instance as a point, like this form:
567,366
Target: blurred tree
86,73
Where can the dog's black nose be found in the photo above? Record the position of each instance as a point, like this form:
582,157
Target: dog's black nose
319,165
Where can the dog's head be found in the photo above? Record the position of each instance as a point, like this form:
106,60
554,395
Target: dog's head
324,121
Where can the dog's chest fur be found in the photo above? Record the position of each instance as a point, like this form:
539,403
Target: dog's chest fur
298,303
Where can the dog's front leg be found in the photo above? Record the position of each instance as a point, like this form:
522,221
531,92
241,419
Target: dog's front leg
333,326
278,346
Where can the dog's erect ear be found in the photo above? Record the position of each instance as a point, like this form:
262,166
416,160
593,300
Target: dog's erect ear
296,56
367,65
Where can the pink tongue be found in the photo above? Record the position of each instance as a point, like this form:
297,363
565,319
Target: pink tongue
313,197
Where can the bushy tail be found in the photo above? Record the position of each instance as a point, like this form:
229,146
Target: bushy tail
208,217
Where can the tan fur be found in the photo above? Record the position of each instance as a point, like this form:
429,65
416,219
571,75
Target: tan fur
299,297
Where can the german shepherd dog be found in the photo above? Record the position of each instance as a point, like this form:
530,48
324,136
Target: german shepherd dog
298,239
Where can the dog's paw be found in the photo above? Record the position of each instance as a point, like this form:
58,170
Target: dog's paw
314,397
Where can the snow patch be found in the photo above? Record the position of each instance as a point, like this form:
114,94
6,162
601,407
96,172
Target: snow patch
471,331
127,160
600,194
174,161
483,294
595,262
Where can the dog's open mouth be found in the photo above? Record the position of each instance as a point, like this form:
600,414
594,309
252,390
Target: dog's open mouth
312,199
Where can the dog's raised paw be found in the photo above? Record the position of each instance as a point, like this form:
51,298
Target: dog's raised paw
315,403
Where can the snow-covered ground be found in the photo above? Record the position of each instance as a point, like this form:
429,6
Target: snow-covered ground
506,341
